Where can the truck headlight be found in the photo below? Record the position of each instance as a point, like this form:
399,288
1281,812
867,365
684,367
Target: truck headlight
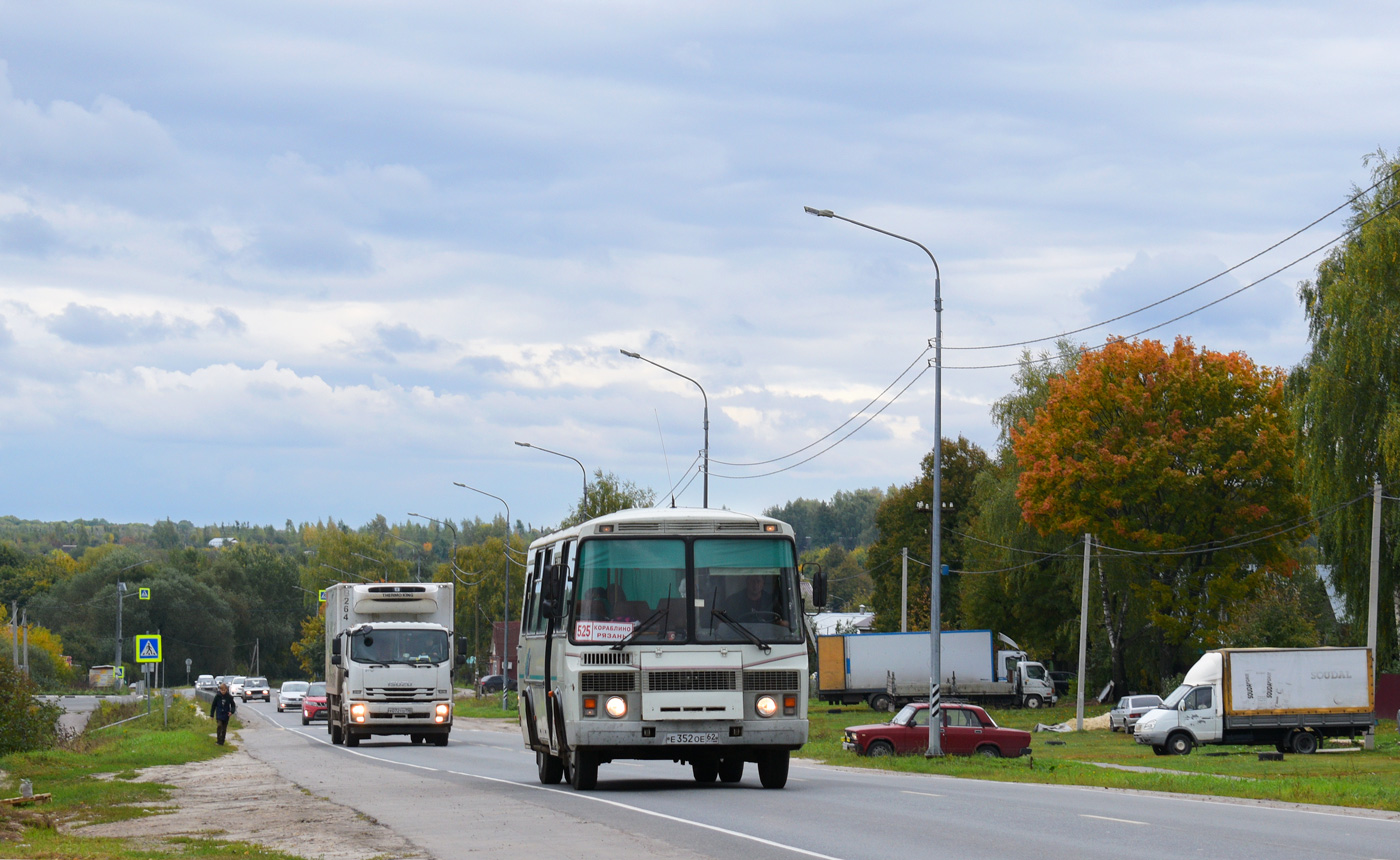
441,712
1146,725
359,711
765,706
616,707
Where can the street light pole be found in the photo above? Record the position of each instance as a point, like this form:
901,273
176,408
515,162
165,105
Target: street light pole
935,622
706,452
505,632
567,457
121,589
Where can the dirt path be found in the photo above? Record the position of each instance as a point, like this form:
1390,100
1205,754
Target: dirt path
237,797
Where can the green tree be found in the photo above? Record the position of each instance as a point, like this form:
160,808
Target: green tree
25,723
1348,405
607,493
1170,458
902,522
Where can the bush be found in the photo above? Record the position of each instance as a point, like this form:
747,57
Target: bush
25,724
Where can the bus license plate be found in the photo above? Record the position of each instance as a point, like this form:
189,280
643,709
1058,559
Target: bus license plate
692,738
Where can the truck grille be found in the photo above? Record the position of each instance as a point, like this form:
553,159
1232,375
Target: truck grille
689,680
607,682
399,694
776,680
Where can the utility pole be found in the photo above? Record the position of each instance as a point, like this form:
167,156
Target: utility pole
1083,635
25,623
904,590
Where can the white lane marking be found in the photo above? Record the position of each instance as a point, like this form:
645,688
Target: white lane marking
1119,820
1355,813
921,793
702,825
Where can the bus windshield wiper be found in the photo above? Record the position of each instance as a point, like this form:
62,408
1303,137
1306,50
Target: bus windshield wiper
660,613
748,634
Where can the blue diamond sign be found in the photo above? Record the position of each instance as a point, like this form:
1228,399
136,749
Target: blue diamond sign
148,648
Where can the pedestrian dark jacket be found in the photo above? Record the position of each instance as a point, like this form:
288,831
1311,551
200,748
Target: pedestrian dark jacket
222,707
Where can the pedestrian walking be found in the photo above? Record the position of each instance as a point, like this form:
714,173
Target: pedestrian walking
221,709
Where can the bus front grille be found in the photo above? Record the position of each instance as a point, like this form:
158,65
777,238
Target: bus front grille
607,682
773,680
689,680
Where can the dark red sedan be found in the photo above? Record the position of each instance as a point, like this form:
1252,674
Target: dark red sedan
967,730
313,704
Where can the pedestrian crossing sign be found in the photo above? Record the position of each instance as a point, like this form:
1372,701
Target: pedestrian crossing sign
121,672
144,593
321,595
148,648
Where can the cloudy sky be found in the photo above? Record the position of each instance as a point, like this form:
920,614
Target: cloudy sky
270,261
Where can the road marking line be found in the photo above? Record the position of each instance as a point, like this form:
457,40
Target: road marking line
921,793
1119,820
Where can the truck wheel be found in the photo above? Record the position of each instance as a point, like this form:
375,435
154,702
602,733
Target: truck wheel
351,739
583,770
773,769
731,769
879,749
439,740
1305,743
1158,749
415,738
1179,744
550,767
337,736
989,751
1035,703
704,770
881,702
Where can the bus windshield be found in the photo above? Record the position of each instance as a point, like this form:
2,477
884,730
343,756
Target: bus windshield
667,590
749,584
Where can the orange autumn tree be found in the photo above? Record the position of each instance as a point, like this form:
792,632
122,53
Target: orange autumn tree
1181,463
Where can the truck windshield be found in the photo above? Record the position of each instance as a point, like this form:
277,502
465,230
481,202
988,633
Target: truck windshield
1035,671
381,645
1175,698
753,582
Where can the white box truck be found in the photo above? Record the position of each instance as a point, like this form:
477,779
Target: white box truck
1289,697
389,661
889,669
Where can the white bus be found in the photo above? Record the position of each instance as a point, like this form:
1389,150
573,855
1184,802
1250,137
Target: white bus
671,634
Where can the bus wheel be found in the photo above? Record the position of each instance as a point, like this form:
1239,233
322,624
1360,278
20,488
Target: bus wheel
705,769
550,767
731,769
583,770
773,769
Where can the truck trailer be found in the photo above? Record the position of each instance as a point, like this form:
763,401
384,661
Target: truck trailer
389,661
1289,697
890,669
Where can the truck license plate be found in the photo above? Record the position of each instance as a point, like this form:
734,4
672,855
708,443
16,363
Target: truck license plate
400,710
691,738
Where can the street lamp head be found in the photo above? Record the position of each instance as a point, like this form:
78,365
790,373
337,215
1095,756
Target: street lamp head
821,213
629,354
524,444
459,484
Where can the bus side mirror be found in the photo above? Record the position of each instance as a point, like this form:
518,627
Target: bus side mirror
818,584
552,591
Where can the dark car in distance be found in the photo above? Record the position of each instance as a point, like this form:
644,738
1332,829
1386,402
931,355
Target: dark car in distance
489,684
967,730
1062,681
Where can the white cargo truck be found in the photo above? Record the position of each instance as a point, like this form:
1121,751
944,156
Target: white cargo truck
389,661
889,669
1289,697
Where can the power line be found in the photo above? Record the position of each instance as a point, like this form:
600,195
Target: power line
1214,277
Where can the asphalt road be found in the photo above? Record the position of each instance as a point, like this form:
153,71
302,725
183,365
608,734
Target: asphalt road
481,792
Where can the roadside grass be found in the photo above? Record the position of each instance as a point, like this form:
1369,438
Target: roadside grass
1360,778
487,708
90,778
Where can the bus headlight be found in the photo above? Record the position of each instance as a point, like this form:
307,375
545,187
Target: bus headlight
617,707
441,712
765,706
359,711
